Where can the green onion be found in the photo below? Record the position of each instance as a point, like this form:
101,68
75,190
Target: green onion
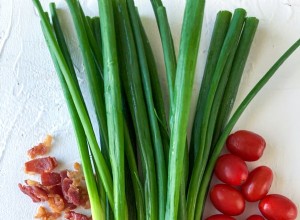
219,33
154,127
97,31
167,44
132,82
157,93
113,105
137,186
188,51
237,69
231,40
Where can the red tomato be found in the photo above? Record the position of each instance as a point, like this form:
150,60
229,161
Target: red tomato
247,145
258,184
227,199
220,217
278,207
231,169
255,217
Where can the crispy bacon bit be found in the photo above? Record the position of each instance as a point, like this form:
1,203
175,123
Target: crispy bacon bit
41,148
40,165
32,183
84,200
63,174
74,195
78,187
56,203
55,190
77,166
50,179
37,150
76,216
44,214
65,186
36,193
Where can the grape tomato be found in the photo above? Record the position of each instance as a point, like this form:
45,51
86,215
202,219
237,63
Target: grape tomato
278,207
227,199
231,169
246,144
258,184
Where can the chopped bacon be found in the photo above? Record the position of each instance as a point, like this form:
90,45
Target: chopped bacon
37,150
74,195
74,188
40,165
44,214
65,186
56,202
36,193
63,174
76,216
55,190
41,148
33,183
79,184
50,179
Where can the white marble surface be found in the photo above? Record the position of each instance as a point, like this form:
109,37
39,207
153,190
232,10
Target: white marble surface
32,104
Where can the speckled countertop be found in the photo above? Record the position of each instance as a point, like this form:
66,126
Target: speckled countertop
32,104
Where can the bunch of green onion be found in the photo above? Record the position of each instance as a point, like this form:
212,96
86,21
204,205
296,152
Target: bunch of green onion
143,166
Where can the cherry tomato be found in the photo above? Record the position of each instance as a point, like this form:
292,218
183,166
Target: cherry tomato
247,145
227,199
231,169
278,207
220,217
258,184
255,217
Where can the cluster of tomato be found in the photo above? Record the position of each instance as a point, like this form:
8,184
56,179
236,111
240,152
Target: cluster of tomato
240,185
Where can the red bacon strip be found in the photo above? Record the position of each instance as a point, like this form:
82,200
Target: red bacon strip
40,165
50,179
41,148
36,193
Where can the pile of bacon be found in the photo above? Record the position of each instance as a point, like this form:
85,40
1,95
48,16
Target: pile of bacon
64,191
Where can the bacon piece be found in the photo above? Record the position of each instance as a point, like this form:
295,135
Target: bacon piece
44,214
33,183
36,193
71,194
65,186
76,216
55,190
74,195
50,179
40,165
56,202
37,150
41,148
63,174
74,188
77,177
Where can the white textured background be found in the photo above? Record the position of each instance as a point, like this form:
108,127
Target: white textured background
32,104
